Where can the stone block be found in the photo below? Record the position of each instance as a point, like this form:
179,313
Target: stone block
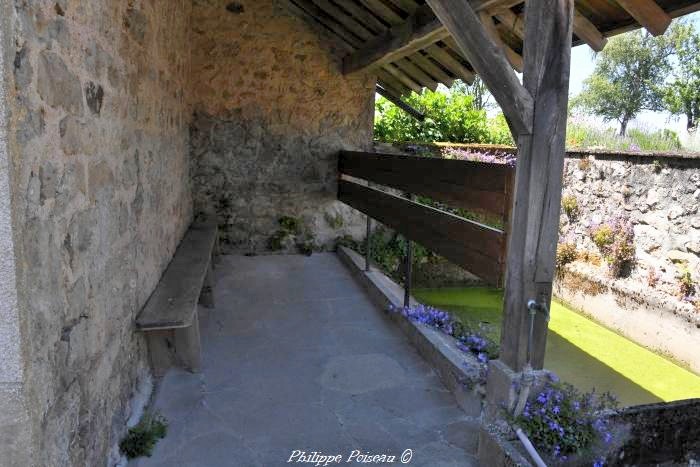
57,85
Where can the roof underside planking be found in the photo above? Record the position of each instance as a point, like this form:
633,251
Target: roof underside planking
409,49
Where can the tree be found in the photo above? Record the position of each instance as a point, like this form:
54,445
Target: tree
478,90
449,117
629,76
682,94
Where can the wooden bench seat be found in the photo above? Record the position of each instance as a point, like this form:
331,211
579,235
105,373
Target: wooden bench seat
169,318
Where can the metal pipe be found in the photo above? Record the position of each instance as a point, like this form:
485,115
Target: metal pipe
408,267
368,252
407,278
527,444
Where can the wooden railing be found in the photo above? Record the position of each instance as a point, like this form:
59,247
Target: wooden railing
477,187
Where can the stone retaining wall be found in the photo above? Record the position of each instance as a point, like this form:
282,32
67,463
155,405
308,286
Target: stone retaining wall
100,194
272,110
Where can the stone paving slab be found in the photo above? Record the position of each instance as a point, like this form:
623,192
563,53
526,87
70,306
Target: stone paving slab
296,357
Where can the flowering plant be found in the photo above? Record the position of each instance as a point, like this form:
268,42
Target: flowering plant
615,240
468,340
562,421
492,156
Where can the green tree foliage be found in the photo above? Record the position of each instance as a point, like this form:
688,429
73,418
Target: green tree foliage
450,117
628,77
682,94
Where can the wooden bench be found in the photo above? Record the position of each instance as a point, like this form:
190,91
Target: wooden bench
169,318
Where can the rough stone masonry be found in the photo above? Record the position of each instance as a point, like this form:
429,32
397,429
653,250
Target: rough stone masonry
272,110
98,183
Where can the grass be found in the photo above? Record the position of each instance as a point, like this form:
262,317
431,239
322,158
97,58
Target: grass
579,135
579,350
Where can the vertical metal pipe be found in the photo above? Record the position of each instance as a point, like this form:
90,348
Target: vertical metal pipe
407,278
368,252
408,268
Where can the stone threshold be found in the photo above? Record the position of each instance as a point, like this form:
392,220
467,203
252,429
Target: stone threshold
457,370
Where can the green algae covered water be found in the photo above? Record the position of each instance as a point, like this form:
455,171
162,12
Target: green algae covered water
579,350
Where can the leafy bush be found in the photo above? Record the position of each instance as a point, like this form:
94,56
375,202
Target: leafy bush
686,284
571,208
566,253
142,438
562,421
615,240
603,237
292,229
449,117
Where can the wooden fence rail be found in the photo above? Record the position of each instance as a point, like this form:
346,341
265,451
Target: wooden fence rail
475,186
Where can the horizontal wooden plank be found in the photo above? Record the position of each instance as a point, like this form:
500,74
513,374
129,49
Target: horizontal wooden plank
174,301
475,247
474,186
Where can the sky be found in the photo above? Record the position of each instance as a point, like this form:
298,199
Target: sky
582,66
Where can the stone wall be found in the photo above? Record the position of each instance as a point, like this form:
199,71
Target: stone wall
99,177
272,109
666,434
660,195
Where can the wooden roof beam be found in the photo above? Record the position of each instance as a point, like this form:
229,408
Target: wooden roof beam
648,14
488,59
583,28
403,77
448,61
396,100
419,31
587,32
431,68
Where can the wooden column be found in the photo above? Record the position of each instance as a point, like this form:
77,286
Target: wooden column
538,181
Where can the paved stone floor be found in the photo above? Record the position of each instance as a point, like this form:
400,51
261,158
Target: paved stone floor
296,357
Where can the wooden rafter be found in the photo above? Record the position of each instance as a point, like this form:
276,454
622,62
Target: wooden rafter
583,28
430,67
417,32
364,16
648,14
398,102
387,14
418,75
402,77
488,59
587,32
451,63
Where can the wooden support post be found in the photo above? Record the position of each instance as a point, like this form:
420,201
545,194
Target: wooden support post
535,218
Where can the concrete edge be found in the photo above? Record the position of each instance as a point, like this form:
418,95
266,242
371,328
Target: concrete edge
456,369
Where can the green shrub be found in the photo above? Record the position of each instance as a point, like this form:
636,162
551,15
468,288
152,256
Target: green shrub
449,117
570,205
292,229
686,284
566,253
142,438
